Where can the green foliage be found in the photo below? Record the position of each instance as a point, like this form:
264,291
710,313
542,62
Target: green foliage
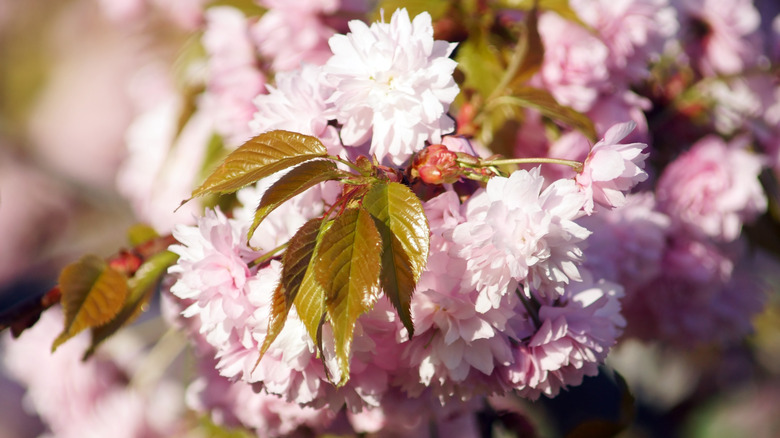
348,268
92,294
560,7
480,62
529,52
544,102
141,233
401,221
436,8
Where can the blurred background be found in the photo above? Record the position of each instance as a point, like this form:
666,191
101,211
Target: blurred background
69,77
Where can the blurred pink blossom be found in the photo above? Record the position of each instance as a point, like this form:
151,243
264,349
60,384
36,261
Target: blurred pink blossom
234,78
713,188
699,296
79,118
34,209
627,243
575,62
294,32
720,35
162,164
635,32
76,399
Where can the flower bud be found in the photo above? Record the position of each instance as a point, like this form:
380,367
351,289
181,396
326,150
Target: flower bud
436,165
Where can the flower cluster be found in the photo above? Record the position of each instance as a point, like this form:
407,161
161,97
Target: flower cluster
574,176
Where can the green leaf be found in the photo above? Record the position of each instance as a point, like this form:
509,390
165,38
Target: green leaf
481,63
402,223
500,128
437,8
92,294
544,102
141,288
560,7
347,267
295,263
530,49
293,183
141,233
260,157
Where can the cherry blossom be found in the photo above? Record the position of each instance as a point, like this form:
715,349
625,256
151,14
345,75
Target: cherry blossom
612,168
393,85
713,188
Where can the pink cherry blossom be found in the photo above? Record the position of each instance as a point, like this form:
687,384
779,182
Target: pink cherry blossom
161,167
720,36
627,243
297,102
402,416
393,85
700,296
573,335
212,270
634,31
72,396
713,188
455,349
291,33
234,78
237,404
612,168
575,62
619,107
515,231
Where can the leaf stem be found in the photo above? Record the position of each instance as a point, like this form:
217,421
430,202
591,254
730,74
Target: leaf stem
158,359
576,165
533,311
348,163
267,256
521,47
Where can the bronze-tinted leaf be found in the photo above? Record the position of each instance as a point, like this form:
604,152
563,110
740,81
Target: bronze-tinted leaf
402,223
141,288
92,294
293,183
310,299
347,266
260,157
298,256
279,310
295,263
